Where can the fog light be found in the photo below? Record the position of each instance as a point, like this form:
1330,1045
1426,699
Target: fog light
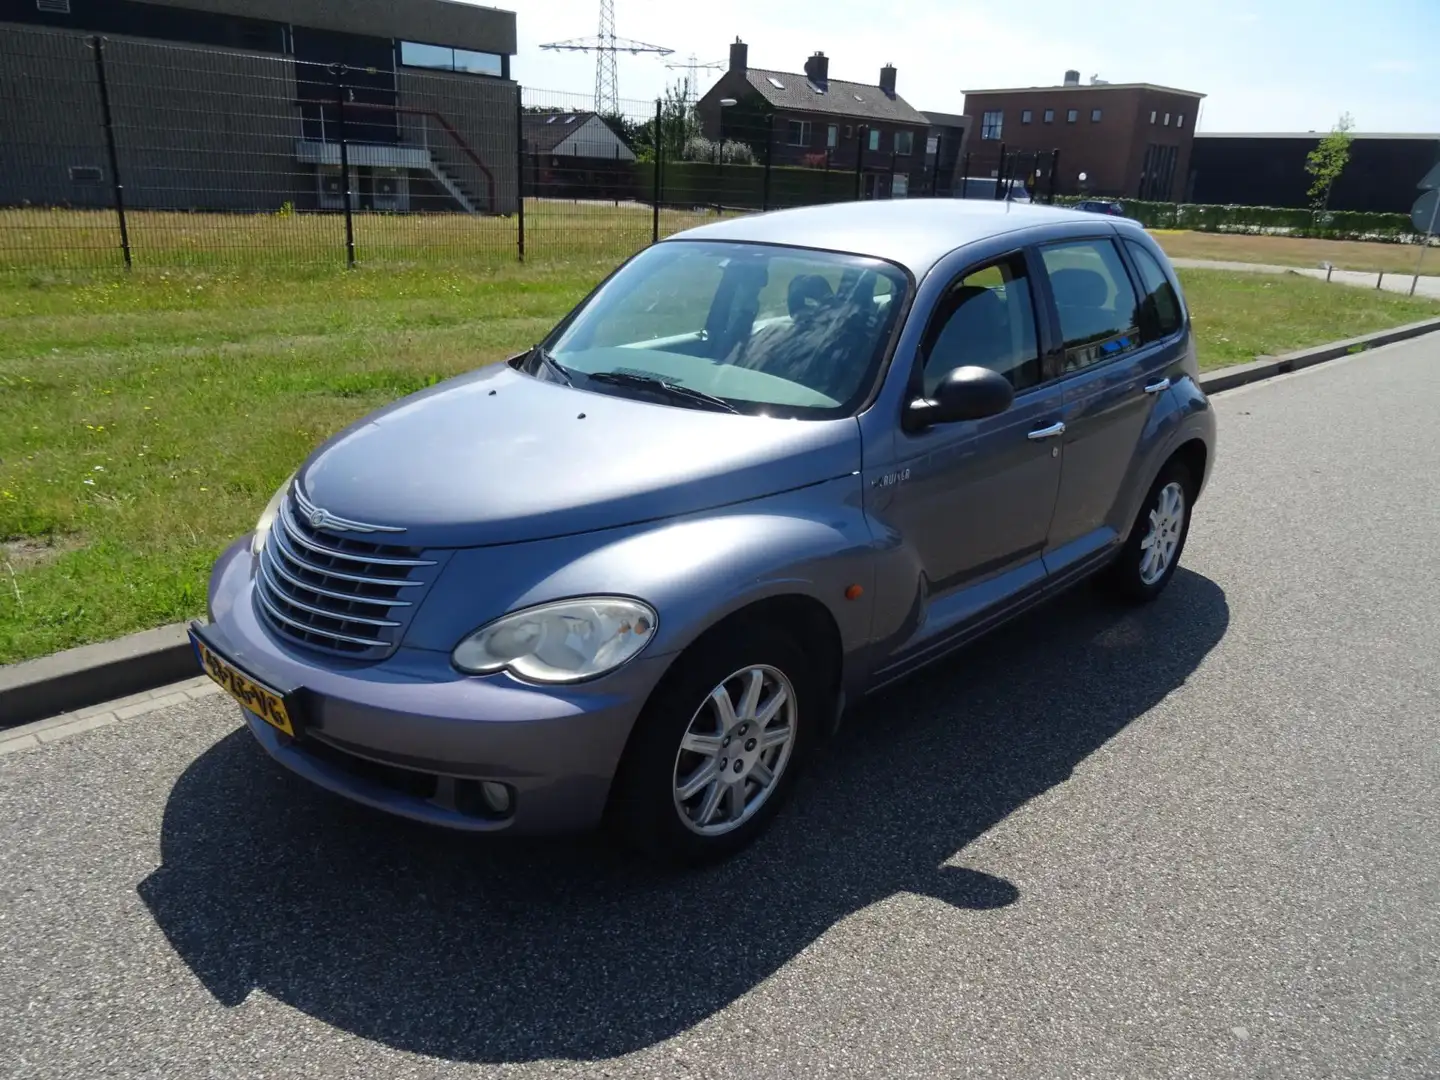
496,796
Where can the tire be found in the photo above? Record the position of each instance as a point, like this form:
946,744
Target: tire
647,807
1131,577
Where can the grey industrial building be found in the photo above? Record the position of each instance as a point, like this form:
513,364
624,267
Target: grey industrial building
238,104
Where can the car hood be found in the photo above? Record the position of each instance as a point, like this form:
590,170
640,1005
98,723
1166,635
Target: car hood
499,457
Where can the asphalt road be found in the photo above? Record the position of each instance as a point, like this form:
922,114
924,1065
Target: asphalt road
1200,840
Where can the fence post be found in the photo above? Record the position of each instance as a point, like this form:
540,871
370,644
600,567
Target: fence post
1000,173
769,144
935,175
1054,172
655,189
862,132
519,173
965,175
338,70
97,43
891,194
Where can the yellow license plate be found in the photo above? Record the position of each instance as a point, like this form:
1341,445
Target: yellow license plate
260,700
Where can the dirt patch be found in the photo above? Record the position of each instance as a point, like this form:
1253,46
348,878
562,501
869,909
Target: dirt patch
31,551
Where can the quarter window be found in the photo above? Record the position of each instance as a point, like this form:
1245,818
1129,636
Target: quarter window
1160,307
1095,300
992,124
986,319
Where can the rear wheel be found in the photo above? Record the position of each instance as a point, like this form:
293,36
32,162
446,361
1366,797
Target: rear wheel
717,748
1151,553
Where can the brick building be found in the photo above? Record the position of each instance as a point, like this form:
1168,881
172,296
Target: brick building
811,119
1131,140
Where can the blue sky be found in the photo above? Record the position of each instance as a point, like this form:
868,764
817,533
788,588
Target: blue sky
1266,65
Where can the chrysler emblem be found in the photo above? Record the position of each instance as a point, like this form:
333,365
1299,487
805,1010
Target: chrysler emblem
320,518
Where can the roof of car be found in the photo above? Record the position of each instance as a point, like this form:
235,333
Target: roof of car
915,233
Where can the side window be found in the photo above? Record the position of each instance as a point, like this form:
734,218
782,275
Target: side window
1160,308
987,318
1095,300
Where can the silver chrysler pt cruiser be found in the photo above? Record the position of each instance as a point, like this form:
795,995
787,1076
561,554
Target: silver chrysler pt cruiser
767,467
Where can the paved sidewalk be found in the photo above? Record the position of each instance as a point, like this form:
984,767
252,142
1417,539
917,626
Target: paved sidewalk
1428,286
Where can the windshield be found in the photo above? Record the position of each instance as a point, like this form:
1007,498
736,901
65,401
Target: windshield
779,331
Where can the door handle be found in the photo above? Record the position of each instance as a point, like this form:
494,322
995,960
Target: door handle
1158,387
1050,432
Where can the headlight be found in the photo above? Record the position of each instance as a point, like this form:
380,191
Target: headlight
267,517
561,642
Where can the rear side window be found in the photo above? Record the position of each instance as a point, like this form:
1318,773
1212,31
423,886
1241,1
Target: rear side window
987,319
1160,307
1097,305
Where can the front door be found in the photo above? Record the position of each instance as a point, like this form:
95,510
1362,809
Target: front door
1112,379
973,500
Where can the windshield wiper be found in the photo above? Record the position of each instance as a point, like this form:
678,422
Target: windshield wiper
672,390
557,369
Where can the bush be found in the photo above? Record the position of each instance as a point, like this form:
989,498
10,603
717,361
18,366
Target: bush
1279,220
699,148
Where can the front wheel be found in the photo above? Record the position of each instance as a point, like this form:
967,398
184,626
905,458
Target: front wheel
1151,553
718,746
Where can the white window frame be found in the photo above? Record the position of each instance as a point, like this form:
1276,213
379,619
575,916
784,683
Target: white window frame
992,125
832,136
805,132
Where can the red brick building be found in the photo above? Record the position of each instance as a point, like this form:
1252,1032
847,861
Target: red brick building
1131,140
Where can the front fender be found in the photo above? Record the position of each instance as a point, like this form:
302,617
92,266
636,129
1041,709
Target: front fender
694,571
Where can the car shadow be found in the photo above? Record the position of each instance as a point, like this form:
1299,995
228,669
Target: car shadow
472,949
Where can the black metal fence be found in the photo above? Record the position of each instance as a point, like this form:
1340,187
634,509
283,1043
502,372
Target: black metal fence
117,152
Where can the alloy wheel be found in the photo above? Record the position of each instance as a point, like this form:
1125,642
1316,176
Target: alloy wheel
735,750
1167,519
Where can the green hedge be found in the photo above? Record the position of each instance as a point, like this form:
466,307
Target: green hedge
1332,225
702,183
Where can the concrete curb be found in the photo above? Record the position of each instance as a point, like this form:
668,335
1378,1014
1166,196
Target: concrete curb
81,678
1267,367
91,674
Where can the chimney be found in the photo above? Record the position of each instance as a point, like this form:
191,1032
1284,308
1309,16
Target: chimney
887,79
1072,78
739,56
817,69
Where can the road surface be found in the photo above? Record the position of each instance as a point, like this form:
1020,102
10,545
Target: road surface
1200,840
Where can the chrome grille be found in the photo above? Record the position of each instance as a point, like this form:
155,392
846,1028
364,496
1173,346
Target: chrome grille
335,592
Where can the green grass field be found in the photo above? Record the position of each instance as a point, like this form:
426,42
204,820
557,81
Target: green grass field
49,241
146,418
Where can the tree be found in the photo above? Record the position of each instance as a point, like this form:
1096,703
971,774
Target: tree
1328,160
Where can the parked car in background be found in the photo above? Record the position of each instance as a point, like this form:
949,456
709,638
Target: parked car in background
1101,206
988,187
767,468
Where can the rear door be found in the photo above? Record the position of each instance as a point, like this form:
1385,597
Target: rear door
1113,378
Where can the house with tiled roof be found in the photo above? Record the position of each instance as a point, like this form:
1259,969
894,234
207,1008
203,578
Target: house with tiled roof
808,118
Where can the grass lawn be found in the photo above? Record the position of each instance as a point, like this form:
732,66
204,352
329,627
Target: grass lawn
1290,251
46,241
145,420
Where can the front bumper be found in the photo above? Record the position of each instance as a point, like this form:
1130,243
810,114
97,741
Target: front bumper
403,734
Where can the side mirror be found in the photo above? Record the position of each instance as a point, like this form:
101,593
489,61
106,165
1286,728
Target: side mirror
966,393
